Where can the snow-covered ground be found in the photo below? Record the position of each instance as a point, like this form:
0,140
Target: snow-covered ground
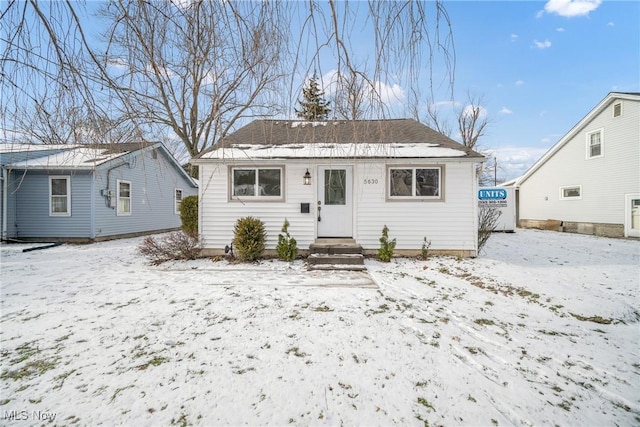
541,329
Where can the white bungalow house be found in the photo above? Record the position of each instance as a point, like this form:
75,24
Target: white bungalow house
589,181
336,179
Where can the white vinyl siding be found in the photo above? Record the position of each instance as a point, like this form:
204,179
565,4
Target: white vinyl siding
60,196
123,197
603,183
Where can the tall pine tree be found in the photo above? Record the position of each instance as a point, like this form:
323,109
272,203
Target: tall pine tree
313,105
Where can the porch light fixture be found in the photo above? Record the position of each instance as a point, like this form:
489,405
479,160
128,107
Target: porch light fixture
307,178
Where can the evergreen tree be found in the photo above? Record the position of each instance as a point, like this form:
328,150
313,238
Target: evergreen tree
313,106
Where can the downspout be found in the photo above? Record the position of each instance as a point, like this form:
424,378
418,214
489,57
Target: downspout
106,193
92,207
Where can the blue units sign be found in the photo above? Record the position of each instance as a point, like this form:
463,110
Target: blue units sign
493,197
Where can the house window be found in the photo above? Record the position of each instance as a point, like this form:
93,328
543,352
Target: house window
124,197
60,196
178,200
573,192
412,183
256,183
617,109
595,144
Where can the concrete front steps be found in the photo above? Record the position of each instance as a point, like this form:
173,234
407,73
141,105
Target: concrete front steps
335,254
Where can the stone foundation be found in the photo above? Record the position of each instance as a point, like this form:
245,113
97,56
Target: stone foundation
595,229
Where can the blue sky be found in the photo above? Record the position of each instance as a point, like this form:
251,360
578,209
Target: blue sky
541,67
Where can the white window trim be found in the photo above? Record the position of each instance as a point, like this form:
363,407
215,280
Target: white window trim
279,198
68,179
176,205
564,187
438,198
588,143
613,110
118,212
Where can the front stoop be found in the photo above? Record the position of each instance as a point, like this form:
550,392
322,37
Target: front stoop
335,254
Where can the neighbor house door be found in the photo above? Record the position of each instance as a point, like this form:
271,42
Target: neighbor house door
632,215
335,216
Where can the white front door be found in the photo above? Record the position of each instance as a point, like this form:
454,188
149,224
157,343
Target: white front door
632,215
335,201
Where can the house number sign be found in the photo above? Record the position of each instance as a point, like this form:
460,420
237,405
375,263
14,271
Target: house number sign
371,181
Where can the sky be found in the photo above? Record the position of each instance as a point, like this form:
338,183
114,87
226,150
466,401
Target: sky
541,67
543,335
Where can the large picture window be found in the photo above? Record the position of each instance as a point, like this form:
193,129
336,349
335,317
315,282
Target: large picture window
60,196
412,183
124,197
258,183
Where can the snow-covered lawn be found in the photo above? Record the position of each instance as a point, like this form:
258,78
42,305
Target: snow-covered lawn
542,329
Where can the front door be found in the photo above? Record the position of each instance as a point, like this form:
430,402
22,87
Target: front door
632,214
335,201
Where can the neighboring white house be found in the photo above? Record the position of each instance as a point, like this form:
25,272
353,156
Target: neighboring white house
338,179
589,182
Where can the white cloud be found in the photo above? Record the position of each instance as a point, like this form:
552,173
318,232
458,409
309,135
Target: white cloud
560,30
514,37
519,82
571,8
611,24
542,45
505,110
515,161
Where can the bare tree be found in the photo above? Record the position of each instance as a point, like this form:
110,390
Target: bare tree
472,120
194,70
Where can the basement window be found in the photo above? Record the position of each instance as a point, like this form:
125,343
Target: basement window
573,192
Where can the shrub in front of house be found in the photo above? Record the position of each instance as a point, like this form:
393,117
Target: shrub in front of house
189,215
386,246
174,246
287,247
249,238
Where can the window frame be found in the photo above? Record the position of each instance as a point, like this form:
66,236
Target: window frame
257,169
588,143
568,187
413,197
67,178
176,202
120,212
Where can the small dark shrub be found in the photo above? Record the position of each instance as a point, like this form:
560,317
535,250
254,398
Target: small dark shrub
287,247
174,246
487,222
249,237
424,252
189,215
386,246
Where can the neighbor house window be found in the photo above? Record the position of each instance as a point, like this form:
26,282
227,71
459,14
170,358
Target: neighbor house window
411,183
178,200
258,183
573,192
124,197
595,144
617,109
60,196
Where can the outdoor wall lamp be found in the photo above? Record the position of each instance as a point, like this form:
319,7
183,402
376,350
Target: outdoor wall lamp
307,178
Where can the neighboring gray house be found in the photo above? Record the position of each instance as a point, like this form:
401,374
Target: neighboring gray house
342,179
90,192
589,181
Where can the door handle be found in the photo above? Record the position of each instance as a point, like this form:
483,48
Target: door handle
319,209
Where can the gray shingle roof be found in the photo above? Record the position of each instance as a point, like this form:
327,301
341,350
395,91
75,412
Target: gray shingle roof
397,131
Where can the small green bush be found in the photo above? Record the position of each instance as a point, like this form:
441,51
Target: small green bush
249,237
424,252
287,247
386,246
189,215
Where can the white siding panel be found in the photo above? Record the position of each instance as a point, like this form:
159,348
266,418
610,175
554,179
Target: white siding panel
448,224
604,180
220,215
